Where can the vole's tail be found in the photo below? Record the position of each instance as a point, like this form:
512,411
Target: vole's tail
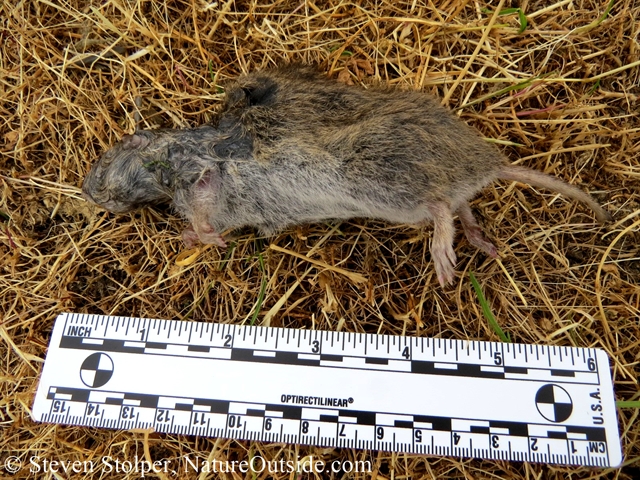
539,179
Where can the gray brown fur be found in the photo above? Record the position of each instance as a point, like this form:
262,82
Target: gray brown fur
291,146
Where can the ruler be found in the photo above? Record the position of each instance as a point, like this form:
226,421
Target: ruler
335,389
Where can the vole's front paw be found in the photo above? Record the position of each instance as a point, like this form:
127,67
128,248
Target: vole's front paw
190,237
213,237
206,235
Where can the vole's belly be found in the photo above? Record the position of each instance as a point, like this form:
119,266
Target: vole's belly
276,199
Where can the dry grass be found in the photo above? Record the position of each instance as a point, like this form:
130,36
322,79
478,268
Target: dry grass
560,279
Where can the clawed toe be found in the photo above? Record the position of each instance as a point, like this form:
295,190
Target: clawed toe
206,235
478,240
473,232
212,237
190,237
445,270
442,253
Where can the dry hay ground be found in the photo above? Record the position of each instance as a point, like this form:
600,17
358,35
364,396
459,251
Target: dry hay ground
71,71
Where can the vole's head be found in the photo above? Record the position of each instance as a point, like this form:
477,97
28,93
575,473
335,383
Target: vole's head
135,173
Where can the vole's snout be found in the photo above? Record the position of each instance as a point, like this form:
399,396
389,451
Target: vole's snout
107,203
87,196
115,207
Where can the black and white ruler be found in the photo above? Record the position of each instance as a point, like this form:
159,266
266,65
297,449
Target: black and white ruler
417,395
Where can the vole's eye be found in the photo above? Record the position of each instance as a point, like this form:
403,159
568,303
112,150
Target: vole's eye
165,177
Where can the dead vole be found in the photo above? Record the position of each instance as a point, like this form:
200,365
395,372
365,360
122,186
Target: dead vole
291,146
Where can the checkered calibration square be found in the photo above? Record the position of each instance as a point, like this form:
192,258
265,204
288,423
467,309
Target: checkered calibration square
96,370
554,403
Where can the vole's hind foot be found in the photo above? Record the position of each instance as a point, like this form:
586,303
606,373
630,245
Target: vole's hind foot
473,232
205,234
444,258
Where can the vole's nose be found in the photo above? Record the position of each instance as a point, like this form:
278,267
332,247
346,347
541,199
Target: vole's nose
87,197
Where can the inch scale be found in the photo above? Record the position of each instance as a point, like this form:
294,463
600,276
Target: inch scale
403,394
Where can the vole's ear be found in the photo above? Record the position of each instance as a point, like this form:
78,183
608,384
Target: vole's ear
261,93
134,141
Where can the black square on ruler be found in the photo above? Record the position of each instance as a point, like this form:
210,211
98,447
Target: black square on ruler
545,395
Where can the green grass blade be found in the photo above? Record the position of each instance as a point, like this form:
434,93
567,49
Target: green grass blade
594,87
227,256
493,323
333,48
628,404
219,89
211,74
504,11
523,21
508,11
597,21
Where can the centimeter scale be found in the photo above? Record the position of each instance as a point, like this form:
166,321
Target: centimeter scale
416,395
